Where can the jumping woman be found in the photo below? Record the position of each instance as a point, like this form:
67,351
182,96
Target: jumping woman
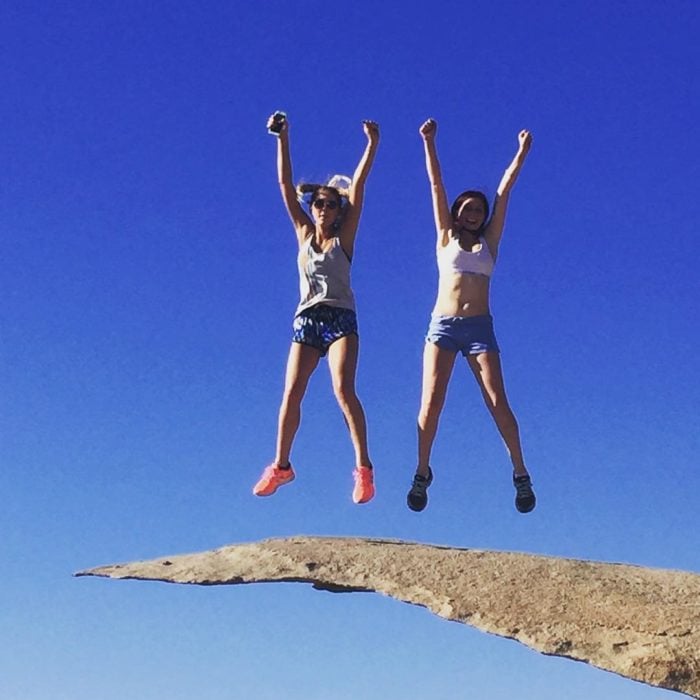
461,322
325,322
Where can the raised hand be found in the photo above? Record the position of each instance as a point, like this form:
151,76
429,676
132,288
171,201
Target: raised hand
428,129
525,140
371,129
277,124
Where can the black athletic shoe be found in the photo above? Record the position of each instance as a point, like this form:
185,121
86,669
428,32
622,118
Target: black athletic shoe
524,495
417,497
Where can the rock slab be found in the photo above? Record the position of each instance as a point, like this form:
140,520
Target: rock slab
640,623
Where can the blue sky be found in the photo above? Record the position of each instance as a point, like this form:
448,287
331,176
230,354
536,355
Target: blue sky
148,287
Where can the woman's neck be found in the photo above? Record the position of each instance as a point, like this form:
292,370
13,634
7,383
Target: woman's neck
323,233
464,234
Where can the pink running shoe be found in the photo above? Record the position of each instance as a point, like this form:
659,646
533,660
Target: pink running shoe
364,485
272,478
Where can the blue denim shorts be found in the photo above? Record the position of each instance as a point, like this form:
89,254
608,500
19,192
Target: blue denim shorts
321,325
469,335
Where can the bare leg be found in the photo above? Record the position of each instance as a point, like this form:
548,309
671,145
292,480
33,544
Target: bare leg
302,361
487,370
437,370
342,362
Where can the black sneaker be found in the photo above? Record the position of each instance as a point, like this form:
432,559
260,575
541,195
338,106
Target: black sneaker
417,497
524,495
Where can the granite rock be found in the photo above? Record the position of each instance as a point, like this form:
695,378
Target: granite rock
640,623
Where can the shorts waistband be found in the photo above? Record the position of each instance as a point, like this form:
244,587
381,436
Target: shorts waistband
478,317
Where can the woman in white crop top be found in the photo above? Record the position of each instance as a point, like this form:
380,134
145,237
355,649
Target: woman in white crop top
467,247
325,321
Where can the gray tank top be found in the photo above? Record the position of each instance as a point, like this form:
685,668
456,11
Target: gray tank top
324,278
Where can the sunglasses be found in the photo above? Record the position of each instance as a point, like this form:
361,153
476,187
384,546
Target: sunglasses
328,203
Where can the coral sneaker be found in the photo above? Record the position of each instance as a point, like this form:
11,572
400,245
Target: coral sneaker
272,478
364,485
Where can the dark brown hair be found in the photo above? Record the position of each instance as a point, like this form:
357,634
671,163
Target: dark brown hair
467,194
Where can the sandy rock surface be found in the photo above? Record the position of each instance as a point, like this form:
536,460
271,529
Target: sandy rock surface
640,623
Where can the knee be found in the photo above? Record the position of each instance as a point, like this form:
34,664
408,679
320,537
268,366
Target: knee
293,395
345,394
430,408
499,406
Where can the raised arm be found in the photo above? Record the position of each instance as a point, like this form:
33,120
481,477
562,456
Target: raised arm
356,193
494,230
441,209
299,217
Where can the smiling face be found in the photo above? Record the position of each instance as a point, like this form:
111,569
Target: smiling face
470,212
325,206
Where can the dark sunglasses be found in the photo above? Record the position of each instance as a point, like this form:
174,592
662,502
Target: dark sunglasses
328,203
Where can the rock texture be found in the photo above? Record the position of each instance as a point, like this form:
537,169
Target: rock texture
640,623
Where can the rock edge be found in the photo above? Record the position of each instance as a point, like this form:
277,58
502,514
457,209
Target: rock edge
640,623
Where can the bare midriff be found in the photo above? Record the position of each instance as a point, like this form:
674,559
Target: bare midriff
462,295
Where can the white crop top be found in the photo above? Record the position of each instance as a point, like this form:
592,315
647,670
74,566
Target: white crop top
452,258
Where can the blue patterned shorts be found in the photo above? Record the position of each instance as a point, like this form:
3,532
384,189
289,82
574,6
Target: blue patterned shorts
469,335
321,325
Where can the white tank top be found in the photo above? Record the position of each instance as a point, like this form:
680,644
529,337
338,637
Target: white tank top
324,278
452,258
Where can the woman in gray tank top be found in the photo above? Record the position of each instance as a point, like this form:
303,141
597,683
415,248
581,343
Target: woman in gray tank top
325,321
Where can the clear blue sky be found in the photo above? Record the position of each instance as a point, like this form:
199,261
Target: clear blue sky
148,285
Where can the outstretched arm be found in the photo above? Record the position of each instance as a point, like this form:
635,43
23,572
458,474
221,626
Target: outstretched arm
441,210
299,217
494,230
356,192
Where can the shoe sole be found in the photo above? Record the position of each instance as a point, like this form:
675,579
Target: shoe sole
274,491
416,509
364,500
